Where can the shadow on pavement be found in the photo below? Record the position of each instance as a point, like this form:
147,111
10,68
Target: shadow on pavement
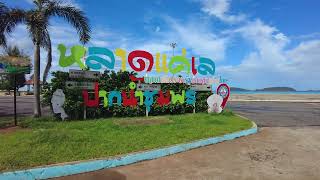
106,174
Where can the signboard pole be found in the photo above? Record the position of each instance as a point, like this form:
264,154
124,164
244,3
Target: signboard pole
15,100
85,112
194,108
147,113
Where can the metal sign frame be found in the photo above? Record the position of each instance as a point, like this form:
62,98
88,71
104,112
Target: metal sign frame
73,73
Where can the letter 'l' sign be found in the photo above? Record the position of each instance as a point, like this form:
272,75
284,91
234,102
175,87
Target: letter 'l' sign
93,56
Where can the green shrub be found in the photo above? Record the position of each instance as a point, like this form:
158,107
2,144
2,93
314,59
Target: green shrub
110,81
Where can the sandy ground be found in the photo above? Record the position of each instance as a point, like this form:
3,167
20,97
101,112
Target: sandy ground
274,153
276,97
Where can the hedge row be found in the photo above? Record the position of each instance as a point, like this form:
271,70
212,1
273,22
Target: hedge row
110,81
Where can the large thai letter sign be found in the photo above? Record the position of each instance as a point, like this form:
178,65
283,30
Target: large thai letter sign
142,92
97,58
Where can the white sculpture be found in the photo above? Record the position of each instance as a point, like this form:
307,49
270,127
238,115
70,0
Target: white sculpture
214,102
57,102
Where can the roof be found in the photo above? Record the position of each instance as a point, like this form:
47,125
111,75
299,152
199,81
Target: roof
15,61
30,81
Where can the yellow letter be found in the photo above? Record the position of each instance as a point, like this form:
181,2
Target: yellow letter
184,52
158,63
123,55
164,63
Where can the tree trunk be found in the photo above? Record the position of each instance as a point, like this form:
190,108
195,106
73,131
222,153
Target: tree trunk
36,80
48,66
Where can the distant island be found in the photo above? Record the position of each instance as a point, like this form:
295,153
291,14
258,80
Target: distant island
270,89
238,89
277,89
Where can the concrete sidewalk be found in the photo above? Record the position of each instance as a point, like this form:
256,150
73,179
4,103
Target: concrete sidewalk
274,153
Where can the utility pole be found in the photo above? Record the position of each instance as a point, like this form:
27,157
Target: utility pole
173,45
15,99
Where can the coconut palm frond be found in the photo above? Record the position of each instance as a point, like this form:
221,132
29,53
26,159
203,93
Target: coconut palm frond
72,15
9,19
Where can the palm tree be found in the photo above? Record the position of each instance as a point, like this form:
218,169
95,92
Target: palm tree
37,22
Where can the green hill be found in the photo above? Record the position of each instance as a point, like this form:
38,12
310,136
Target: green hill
282,89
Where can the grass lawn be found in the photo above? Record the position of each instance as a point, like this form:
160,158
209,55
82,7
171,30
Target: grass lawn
47,141
6,122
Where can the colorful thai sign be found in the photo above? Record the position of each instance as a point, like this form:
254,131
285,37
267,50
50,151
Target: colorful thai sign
131,98
143,89
97,58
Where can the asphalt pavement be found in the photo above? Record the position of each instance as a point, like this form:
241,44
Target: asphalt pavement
24,105
279,114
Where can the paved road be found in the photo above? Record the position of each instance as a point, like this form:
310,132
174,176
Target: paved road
279,114
284,153
24,105
265,114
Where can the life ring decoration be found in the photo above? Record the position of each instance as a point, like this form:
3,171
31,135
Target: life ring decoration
224,91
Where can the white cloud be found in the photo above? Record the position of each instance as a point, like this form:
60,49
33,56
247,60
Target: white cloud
305,57
197,39
314,35
220,9
157,29
271,63
267,40
200,39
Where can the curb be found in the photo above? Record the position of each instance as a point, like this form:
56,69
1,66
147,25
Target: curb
94,165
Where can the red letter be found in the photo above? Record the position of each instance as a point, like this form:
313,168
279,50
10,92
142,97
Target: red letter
132,101
142,64
194,70
94,102
135,79
162,100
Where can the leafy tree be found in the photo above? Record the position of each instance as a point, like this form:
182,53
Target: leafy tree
37,22
8,81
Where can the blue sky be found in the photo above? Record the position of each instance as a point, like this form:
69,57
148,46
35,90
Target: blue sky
254,44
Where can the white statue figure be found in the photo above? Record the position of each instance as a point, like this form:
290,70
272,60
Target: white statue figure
57,102
214,102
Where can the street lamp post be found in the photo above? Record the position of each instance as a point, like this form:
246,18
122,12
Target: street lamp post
173,45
